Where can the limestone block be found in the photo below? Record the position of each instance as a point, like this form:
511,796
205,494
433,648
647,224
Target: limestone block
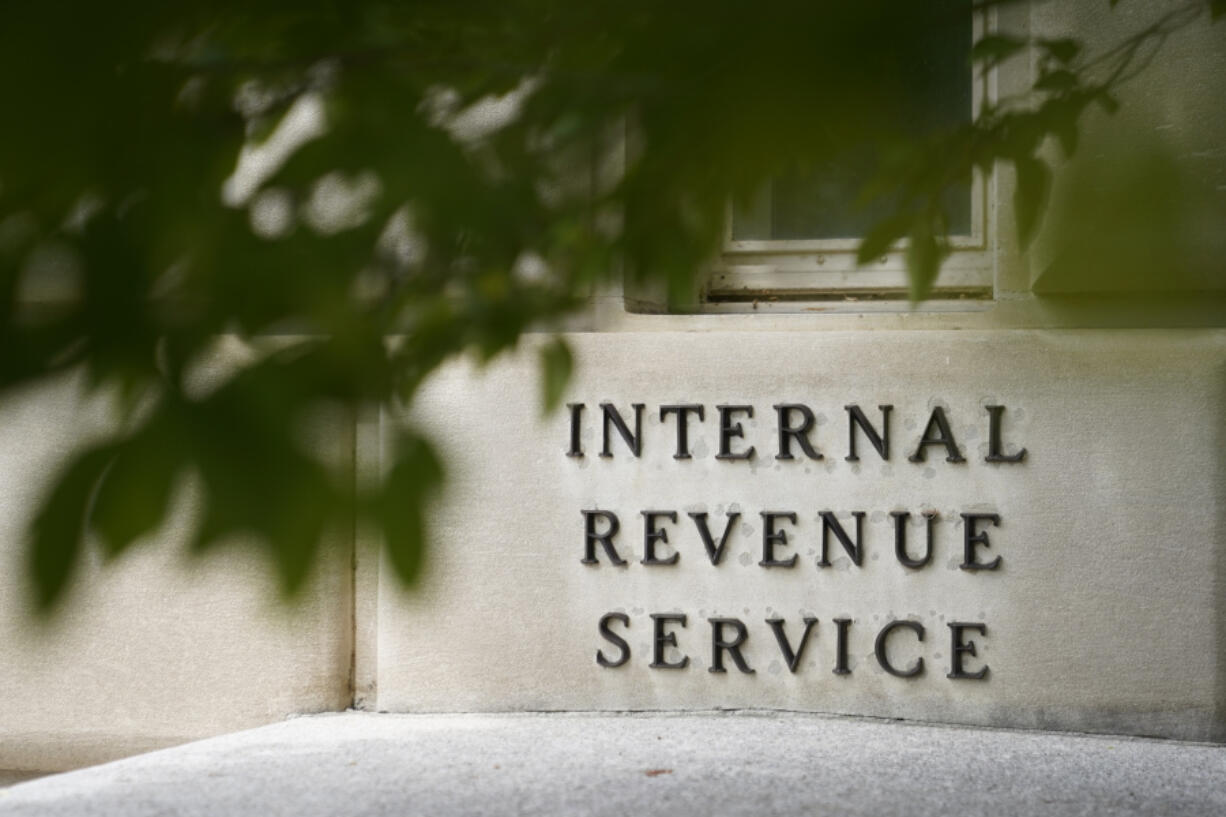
1103,613
154,649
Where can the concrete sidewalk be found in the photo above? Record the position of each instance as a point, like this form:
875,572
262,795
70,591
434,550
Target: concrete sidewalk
676,764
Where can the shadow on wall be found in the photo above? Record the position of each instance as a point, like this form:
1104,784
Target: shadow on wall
1131,217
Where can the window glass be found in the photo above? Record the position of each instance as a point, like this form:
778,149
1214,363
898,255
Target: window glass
821,202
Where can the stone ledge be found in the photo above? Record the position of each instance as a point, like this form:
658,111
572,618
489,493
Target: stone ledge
695,763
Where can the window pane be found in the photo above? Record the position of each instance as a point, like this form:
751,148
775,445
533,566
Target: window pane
820,202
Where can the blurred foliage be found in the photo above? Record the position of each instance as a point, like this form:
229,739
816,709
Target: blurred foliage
381,186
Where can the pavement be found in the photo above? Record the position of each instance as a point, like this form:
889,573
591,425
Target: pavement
730,763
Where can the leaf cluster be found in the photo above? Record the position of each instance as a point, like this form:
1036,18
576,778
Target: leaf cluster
374,187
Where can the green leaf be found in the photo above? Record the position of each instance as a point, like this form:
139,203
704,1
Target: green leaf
134,492
164,268
1029,196
248,440
924,255
882,237
131,502
1217,9
400,507
58,529
557,364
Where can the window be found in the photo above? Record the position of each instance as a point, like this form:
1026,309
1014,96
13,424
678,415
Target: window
797,239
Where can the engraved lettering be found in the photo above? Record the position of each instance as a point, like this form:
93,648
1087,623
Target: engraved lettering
958,648
938,432
972,537
661,639
996,448
720,644
881,441
792,658
592,537
614,639
728,430
683,413
800,434
610,414
714,552
830,524
772,537
652,534
884,660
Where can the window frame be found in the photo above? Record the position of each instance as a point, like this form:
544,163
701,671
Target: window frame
772,271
